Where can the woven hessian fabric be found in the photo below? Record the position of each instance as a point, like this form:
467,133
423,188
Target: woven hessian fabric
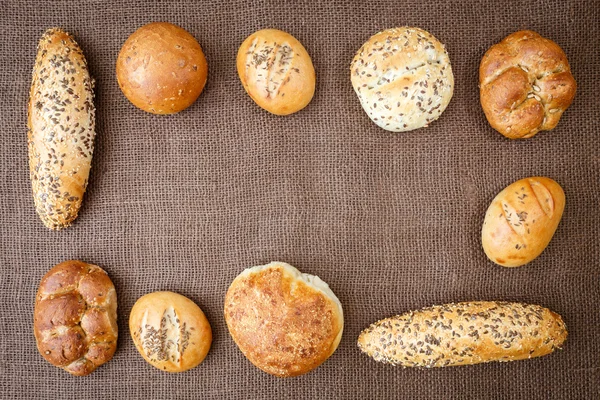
391,221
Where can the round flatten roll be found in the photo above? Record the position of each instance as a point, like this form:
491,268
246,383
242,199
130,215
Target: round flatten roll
276,71
285,322
75,317
170,331
161,68
403,78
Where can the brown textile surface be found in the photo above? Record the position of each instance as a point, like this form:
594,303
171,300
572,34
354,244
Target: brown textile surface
391,221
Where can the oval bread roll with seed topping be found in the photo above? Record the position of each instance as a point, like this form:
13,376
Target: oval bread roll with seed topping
403,78
60,125
170,331
521,221
276,71
285,322
525,85
464,333
75,317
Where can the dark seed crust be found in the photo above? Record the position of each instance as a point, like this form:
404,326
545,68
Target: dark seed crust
60,128
464,333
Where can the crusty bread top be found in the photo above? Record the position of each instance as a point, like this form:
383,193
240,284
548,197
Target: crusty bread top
403,78
170,331
525,84
161,68
60,128
464,333
276,71
75,317
521,221
285,322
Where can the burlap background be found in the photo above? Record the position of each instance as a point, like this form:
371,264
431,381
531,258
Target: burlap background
390,221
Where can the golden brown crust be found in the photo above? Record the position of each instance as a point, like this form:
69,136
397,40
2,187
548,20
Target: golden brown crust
283,325
521,221
170,331
403,78
463,334
276,71
161,68
60,128
75,317
525,85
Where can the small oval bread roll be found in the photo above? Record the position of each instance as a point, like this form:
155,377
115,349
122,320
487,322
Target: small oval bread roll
525,85
161,68
75,317
60,129
521,221
463,334
170,331
285,322
276,71
403,78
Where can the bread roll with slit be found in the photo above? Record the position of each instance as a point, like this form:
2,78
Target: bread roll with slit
521,221
276,71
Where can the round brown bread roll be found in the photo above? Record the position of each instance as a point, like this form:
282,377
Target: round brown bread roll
521,220
75,317
463,334
403,78
170,331
61,125
161,68
525,85
276,71
285,322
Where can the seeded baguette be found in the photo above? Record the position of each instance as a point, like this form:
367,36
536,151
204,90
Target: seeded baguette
60,133
463,334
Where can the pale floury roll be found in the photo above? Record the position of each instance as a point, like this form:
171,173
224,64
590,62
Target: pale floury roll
403,78
285,322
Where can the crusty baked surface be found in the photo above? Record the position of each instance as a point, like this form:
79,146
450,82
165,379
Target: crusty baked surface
525,84
75,317
161,68
282,325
